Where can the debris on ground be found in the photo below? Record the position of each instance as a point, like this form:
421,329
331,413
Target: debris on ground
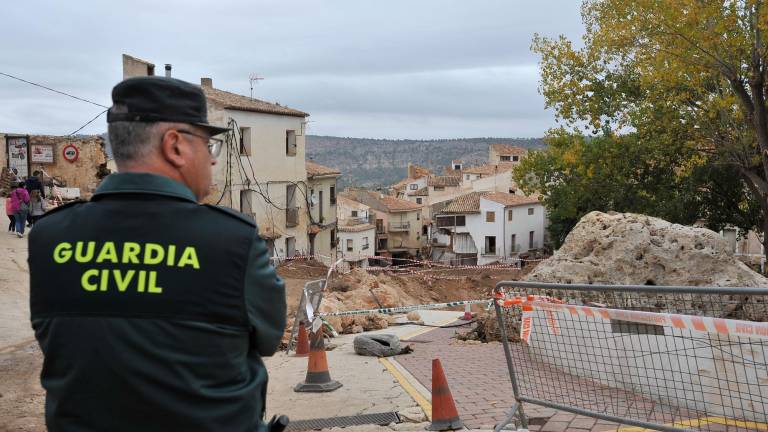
413,316
380,345
486,329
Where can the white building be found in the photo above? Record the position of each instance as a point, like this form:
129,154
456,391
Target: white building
357,243
486,227
261,169
356,232
321,181
499,153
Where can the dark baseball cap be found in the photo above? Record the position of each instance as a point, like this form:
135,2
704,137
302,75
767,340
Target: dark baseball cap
150,99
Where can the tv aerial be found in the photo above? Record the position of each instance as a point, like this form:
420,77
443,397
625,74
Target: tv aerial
254,78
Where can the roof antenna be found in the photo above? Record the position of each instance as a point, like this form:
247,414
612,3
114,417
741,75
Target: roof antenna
254,78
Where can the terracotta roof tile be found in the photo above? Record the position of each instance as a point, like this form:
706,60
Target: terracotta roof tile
468,203
444,181
509,150
396,204
355,228
510,200
317,170
243,103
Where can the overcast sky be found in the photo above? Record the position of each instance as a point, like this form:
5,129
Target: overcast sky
385,69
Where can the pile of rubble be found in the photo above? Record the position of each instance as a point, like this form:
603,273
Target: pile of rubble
362,290
632,249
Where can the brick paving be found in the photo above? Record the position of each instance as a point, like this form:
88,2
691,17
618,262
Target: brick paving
479,381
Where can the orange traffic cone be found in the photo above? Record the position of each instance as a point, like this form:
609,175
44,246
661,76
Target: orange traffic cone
467,314
318,378
444,414
302,342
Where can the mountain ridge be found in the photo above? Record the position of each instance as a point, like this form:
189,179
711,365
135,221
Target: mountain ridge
375,162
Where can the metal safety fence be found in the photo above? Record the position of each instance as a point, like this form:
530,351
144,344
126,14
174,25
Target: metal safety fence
657,357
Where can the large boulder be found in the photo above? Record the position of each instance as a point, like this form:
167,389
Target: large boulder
633,249
379,345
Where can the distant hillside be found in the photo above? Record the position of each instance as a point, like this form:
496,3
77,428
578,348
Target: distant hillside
381,162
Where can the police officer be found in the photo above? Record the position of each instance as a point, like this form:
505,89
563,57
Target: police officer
153,311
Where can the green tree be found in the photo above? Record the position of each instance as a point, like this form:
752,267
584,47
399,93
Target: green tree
577,175
689,72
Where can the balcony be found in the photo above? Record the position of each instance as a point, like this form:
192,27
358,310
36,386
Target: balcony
291,217
399,226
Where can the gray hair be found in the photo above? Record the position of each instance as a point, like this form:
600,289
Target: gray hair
133,141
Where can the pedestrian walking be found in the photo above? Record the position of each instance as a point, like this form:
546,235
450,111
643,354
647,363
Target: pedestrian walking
20,207
9,211
37,206
33,183
153,311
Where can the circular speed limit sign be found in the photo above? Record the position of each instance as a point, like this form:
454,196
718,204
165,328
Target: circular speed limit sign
70,153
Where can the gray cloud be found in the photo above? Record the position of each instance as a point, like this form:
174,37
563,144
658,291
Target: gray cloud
399,69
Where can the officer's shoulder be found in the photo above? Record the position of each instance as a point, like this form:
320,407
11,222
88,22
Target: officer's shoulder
235,215
63,207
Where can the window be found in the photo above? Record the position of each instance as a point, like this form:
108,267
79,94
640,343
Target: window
530,240
418,216
290,246
466,177
424,230
354,213
456,167
512,191
245,201
504,158
333,238
515,158
509,215
418,201
514,243
290,196
320,200
490,245
490,216
413,186
439,188
290,142
365,243
245,141
350,245
449,221
530,211
333,195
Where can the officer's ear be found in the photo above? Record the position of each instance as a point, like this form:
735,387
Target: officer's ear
173,148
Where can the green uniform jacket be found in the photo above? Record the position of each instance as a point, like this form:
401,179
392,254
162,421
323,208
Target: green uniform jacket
153,311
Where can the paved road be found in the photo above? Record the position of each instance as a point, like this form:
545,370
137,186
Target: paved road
478,378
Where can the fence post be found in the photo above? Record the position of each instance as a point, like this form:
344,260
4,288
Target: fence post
517,407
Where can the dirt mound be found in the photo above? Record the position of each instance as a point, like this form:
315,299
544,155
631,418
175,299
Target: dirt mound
302,269
633,249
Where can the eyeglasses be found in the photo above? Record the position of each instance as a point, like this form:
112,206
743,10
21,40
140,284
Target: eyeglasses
214,144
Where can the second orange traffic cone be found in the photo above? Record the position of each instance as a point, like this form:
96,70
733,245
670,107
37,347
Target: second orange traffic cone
318,378
302,342
444,414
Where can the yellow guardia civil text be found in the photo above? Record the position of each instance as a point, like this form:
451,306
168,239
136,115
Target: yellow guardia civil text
122,280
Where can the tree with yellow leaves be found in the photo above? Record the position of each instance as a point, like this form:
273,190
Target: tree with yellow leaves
691,74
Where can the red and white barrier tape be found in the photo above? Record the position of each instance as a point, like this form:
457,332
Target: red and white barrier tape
722,326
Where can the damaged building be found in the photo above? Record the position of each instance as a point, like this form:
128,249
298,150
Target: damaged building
75,164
